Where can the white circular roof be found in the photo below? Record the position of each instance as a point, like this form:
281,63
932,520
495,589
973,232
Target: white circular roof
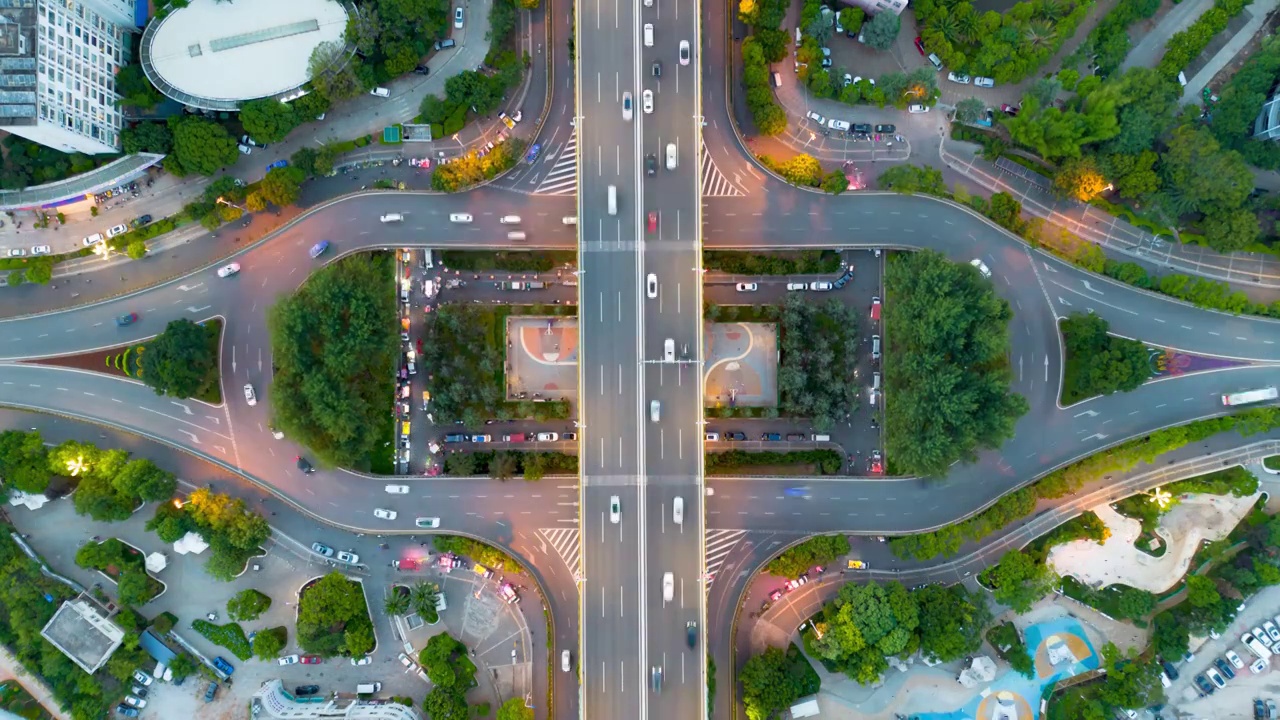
243,49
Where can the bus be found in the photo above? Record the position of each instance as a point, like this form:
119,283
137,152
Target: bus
1250,396
613,199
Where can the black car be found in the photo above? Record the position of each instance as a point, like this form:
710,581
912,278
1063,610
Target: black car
304,466
657,69
209,693
735,436
1206,687
650,164
886,128
421,70
126,710
140,221
691,633
1259,710
771,436
304,690
1225,668
862,127
844,278
1170,670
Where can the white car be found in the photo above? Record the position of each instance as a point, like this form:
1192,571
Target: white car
426,522
655,410
117,230
93,239
982,267
615,509
362,661
1259,666
684,52
228,270
142,677
249,397
17,252
747,287
405,661
245,149
397,489
384,514
668,587
348,557
839,125
673,157
391,217
564,661
646,99
958,78
135,701
288,660
797,286
917,109
1272,632
985,82
626,105
820,285
41,250
459,217
457,18
677,511
651,285
816,117
548,437
1234,659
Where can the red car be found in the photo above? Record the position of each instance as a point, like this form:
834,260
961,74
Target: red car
311,660
773,596
920,45
653,221
876,463
1010,110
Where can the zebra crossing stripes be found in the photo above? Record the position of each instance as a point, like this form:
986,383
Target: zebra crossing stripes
719,544
567,544
714,183
562,179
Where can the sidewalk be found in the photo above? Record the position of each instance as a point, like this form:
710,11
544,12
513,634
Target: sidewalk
1258,13
1150,49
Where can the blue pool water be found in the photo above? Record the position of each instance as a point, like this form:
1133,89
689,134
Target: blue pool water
1043,639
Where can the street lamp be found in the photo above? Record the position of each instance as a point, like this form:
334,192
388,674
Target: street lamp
223,201
102,249
77,466
1161,498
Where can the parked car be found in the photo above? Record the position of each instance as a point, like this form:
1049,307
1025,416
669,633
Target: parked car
384,514
211,692
312,659
1205,686
1010,110
1232,657
41,250
305,690
747,287
127,711
548,437
287,660
734,435
322,549
349,557
887,129
917,109
225,667
142,677
1216,677
1225,668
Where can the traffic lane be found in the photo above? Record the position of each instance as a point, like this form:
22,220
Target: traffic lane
677,553
610,592
672,439
610,406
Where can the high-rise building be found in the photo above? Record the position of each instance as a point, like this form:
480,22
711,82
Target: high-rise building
58,60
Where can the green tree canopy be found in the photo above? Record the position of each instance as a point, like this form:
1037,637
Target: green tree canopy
182,360
882,30
281,185
331,608
24,461
267,120
773,680
1099,363
200,146
248,604
268,644
514,709
1018,580
949,373
819,550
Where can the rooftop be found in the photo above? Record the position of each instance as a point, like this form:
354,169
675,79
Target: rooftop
213,55
83,633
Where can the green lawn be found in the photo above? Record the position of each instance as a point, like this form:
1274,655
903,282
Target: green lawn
535,261
1272,463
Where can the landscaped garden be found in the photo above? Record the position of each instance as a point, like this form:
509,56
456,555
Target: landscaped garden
124,564
333,618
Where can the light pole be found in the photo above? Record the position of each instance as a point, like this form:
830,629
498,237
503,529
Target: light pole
223,201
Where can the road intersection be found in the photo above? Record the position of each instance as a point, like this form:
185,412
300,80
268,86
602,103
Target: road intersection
622,628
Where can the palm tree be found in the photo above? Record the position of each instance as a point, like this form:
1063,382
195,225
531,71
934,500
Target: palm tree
1051,10
1039,33
968,24
395,603
945,24
422,596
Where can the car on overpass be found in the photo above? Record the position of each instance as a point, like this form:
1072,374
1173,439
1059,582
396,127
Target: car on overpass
615,509
127,319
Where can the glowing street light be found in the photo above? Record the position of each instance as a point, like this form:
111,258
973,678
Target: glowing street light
1162,498
77,466
223,201
102,249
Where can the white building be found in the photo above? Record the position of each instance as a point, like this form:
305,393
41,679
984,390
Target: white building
274,702
58,62
875,7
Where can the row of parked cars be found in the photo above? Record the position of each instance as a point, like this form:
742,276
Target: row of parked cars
795,584
510,437
1261,641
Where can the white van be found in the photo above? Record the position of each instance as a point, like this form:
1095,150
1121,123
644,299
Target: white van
569,219
648,34
875,395
673,159
510,220
613,199
515,235
368,688
822,438
380,92
669,350
777,79
392,217
875,381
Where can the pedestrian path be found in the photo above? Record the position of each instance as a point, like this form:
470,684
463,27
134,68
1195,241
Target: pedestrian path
562,179
719,544
567,543
714,183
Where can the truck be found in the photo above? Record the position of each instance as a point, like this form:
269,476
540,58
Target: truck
368,688
513,437
523,285
1250,396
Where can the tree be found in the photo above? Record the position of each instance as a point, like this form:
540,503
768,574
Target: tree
135,89
267,644
145,480
1134,603
1170,637
1080,178
514,709
1018,580
951,621
1134,176
39,271
24,461
1199,176
396,603
1103,364
332,75
248,604
819,550
1045,90
952,396
200,146
882,30
332,617
445,703
1130,682
267,120
423,596
773,680
136,250
181,361
328,390
132,587
1231,230
1202,592
152,137
281,185
971,110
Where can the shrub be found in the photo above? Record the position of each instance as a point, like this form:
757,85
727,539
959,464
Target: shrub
230,636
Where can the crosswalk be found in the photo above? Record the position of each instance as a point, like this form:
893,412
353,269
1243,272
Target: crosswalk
714,183
567,544
562,179
719,545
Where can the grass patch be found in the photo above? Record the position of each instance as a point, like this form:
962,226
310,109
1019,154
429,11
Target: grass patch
1118,601
1272,462
796,462
211,391
486,555
742,313
1151,544
1009,645
510,261
382,458
505,464
804,262
230,636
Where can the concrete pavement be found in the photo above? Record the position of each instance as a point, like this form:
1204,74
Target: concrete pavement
1150,49
1257,13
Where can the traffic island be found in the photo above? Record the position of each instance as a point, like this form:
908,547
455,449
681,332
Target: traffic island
185,363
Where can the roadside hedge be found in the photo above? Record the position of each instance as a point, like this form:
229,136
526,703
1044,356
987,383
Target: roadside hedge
804,262
823,462
230,636
1187,44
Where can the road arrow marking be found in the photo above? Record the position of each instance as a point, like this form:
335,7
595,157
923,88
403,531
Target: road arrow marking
1091,288
1087,413
191,435
197,309
189,288
1095,436
1063,302
185,409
